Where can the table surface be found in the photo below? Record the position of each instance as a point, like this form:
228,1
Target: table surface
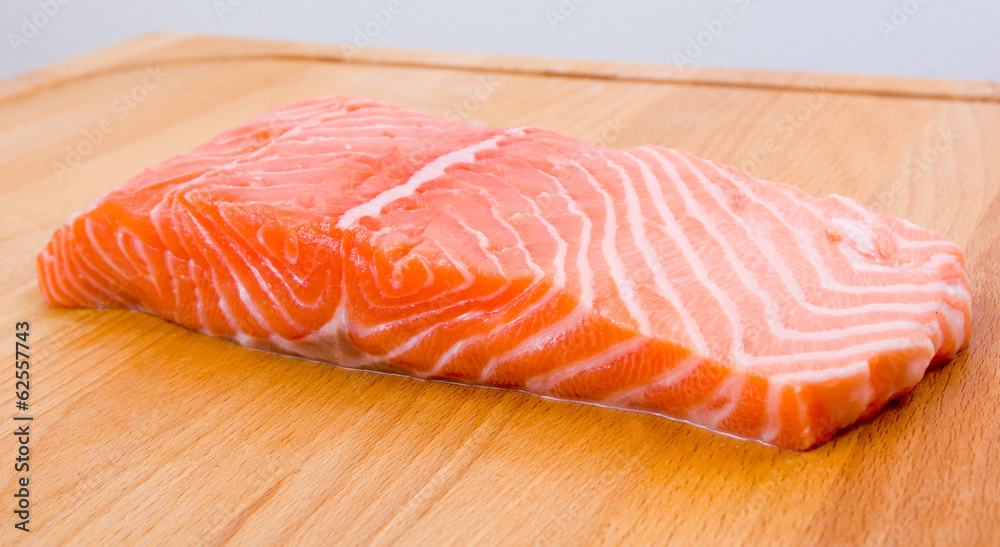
143,431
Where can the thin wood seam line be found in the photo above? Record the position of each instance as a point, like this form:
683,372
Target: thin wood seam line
705,82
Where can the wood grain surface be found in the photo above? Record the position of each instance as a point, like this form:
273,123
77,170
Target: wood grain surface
146,433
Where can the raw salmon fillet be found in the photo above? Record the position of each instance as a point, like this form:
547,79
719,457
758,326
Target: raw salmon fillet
368,235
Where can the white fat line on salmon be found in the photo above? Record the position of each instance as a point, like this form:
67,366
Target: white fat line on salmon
150,270
352,120
349,148
468,280
823,268
168,260
447,356
562,246
157,216
956,322
914,230
822,375
86,269
205,328
946,247
934,263
214,273
529,260
396,278
828,282
339,327
332,342
849,227
135,246
428,172
227,312
729,390
64,256
268,260
558,284
772,428
542,339
807,430
107,260
251,307
916,367
417,138
611,257
311,119
745,275
49,261
778,329
244,253
950,254
80,277
585,302
47,282
538,274
414,340
543,383
777,384
859,233
325,160
374,122
264,172
663,287
89,272
456,348
584,270
672,226
683,369
148,273
349,130
772,407
911,343
942,306
216,247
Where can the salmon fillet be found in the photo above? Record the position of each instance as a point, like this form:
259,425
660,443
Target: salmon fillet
371,236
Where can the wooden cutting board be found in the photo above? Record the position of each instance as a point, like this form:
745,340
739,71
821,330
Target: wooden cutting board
144,432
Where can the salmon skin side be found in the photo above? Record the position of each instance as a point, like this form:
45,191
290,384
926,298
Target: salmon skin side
367,235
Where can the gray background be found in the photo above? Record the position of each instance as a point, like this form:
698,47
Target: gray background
924,38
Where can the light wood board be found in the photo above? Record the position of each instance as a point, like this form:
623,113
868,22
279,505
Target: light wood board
145,432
